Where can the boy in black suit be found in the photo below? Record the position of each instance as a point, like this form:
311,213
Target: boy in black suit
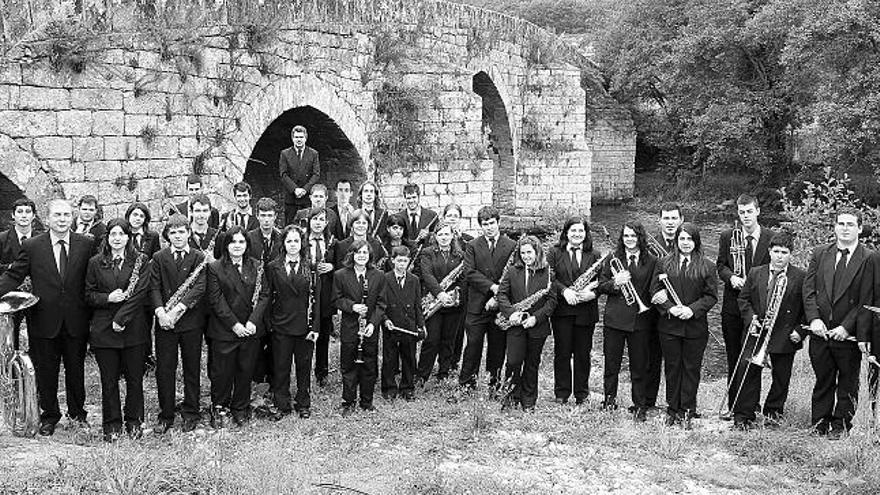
785,337
403,299
243,214
266,245
202,236
87,222
179,326
193,189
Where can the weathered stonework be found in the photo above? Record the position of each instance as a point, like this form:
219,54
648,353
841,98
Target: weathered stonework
496,125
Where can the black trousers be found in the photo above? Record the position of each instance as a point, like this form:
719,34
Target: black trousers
439,344
655,367
398,352
359,377
612,346
47,355
571,358
836,365
264,365
126,362
479,327
750,395
460,332
732,329
190,346
683,362
293,350
322,348
233,369
523,362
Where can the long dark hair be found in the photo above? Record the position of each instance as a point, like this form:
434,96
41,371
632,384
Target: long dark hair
303,245
356,245
107,252
563,236
226,240
377,200
540,260
698,266
313,212
145,210
642,243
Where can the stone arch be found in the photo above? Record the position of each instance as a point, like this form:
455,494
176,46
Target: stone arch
21,174
498,132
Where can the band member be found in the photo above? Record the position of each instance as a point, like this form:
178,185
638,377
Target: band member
395,235
142,238
318,198
203,237
342,208
238,294
369,200
838,283
23,228
243,214
485,259
193,189
671,217
177,283
56,261
452,215
530,277
437,263
300,169
117,287
360,231
684,329
783,339
576,312
266,244
755,253
626,322
403,310
418,219
322,250
293,340
359,292
87,222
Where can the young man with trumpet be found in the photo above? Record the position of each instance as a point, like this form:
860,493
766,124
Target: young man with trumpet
838,285
626,279
739,250
773,311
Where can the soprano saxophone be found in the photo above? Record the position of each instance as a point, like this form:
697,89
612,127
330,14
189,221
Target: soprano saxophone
187,284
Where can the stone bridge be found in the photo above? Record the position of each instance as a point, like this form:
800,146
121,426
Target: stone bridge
123,98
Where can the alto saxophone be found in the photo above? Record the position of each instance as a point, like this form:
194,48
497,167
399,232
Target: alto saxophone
585,278
492,303
526,304
430,304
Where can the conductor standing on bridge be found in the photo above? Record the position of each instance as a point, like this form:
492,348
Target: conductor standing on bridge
300,169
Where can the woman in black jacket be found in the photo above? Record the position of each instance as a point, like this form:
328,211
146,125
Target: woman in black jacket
117,280
322,253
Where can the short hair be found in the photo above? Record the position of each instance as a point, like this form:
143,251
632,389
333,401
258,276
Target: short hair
88,199
226,240
410,188
241,187
782,239
315,211
395,219
55,202
266,204
24,202
399,251
299,128
200,198
671,207
144,209
452,206
849,210
175,222
318,187
343,180
193,179
747,199
488,213
358,214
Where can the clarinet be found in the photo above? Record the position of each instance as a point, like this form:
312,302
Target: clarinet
362,325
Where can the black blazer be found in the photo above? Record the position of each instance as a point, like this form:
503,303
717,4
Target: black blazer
61,301
228,220
296,172
165,279
97,232
565,273
342,247
348,292
434,269
513,290
425,219
213,219
753,299
288,298
699,294
729,304
204,242
618,315
276,245
484,269
101,280
846,307
302,216
340,231
230,295
403,306
10,246
149,243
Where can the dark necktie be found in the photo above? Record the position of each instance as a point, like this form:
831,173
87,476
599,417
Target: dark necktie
291,268
401,281
774,274
362,281
178,259
750,252
319,250
491,245
632,262
21,241
684,265
62,258
574,259
413,227
117,264
445,256
838,273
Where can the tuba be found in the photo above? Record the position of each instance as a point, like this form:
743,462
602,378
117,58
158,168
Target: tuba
19,409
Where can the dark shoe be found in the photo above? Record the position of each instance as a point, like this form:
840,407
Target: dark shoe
409,397
111,436
189,425
219,417
561,400
368,407
389,396
47,429
671,419
640,415
163,427
442,375
529,409
742,425
695,415
322,381
305,413
78,421
420,382
134,431
240,419
836,434
579,401
609,404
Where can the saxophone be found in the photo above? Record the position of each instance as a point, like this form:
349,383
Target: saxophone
585,278
526,304
492,303
258,285
135,276
430,304
209,251
187,284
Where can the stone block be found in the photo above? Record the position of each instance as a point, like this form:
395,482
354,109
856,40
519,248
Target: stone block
87,149
74,123
189,147
36,98
108,123
158,147
60,148
67,171
139,169
18,123
150,103
180,125
120,148
164,169
135,124
96,99
8,97
102,171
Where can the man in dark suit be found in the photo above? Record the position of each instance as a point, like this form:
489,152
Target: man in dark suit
485,258
838,284
266,245
783,339
756,242
56,262
300,169
87,222
179,325
318,198
342,209
23,228
193,189
418,219
243,214
202,235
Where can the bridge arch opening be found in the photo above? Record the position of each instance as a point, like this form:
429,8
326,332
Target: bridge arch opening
499,142
338,156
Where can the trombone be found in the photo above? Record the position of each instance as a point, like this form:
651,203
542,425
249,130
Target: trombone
630,296
655,247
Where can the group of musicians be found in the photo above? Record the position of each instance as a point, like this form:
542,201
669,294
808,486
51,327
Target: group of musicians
262,299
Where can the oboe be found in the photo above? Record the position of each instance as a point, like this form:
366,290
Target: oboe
362,325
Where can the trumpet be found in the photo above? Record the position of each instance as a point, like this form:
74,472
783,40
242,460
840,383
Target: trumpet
630,295
738,251
655,247
670,290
